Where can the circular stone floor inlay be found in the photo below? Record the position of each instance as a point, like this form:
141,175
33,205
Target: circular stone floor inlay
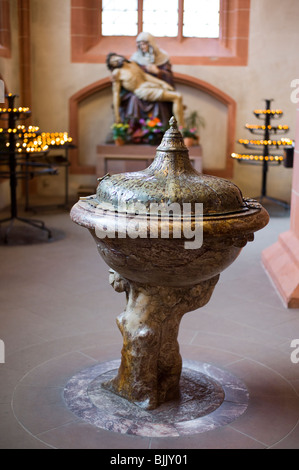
210,397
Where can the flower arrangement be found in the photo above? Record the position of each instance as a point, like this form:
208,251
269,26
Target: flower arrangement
151,125
152,129
147,131
192,133
193,123
120,131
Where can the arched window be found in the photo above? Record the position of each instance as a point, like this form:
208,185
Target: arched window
201,32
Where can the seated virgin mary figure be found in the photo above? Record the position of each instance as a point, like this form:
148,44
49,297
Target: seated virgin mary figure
153,61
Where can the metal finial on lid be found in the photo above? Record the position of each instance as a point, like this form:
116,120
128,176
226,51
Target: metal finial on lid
173,139
173,122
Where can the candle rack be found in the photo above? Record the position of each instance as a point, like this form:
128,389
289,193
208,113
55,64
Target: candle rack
264,145
22,157
54,141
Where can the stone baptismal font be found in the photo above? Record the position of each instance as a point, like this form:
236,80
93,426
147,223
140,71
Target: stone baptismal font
166,233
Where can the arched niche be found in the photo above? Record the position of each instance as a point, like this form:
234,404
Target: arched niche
82,125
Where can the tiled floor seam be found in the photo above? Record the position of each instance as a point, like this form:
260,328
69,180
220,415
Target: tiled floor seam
40,434
28,432
286,436
249,436
275,372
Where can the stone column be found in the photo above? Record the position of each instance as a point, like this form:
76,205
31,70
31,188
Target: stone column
281,260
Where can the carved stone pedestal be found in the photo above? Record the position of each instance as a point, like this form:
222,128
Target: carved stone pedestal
151,363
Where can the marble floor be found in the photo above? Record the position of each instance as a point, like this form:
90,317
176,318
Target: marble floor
57,318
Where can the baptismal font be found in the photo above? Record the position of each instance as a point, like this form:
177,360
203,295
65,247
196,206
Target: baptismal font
154,260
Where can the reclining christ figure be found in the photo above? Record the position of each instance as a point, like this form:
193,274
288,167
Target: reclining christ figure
131,77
